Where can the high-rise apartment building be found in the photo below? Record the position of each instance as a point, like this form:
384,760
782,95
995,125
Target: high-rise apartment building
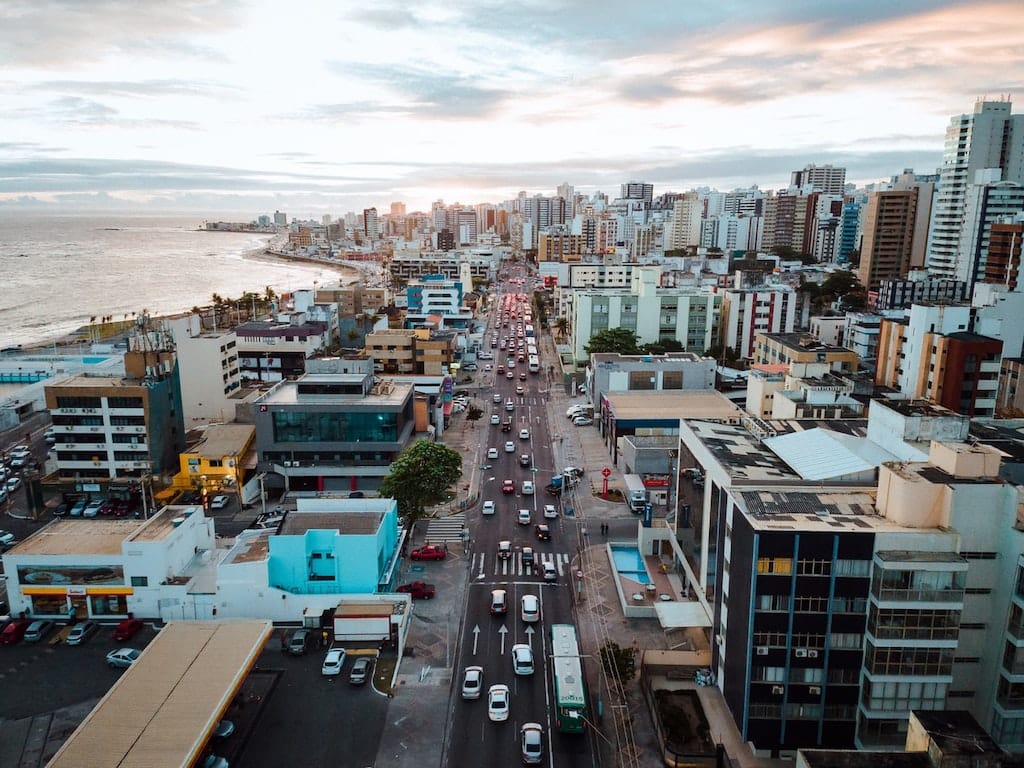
989,137
684,231
984,205
820,178
398,209
637,190
280,219
370,226
889,219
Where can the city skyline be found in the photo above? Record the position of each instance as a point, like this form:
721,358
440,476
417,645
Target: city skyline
328,107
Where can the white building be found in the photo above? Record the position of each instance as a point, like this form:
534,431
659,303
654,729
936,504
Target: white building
748,312
987,202
208,368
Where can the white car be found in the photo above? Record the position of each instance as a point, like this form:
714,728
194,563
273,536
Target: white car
522,659
496,398
6,538
488,508
530,605
492,453
525,518
333,662
527,487
550,512
531,737
219,502
13,484
574,411
510,447
524,434
472,683
582,421
497,703
495,419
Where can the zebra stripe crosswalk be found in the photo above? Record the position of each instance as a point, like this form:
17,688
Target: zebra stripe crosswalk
484,564
446,529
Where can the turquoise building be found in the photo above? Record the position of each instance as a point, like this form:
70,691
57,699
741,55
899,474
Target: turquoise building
339,546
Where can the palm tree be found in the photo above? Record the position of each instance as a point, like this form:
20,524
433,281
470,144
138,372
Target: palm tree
562,327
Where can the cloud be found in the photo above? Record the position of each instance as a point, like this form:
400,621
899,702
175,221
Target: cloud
150,89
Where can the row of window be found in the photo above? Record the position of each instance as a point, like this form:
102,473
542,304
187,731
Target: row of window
783,566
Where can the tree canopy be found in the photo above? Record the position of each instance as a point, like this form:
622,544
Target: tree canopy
621,340
662,346
420,476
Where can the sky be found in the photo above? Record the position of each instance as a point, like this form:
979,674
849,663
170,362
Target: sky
333,106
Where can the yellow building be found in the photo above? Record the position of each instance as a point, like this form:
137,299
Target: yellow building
786,348
219,461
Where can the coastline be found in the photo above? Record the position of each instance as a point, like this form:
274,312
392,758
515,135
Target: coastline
104,333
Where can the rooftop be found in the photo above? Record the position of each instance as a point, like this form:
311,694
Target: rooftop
675,405
287,392
918,408
346,523
98,536
162,710
804,342
220,440
808,511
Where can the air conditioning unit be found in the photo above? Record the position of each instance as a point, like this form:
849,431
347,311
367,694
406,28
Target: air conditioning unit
778,690
289,463
762,650
812,653
814,690
800,653
88,410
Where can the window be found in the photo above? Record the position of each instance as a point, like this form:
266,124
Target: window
775,565
140,581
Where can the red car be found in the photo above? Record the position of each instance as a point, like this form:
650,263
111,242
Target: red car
127,629
13,632
418,589
429,552
508,486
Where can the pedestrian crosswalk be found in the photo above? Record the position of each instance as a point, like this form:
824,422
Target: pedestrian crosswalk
446,528
485,563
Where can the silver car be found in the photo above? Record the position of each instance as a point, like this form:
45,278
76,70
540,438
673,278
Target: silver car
472,682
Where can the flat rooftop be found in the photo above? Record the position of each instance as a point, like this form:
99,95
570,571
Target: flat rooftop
346,523
808,512
628,406
100,536
163,709
220,440
287,392
92,380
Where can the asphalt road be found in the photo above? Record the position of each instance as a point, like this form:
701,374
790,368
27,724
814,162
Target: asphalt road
487,640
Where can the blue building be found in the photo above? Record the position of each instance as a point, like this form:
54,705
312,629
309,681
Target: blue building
848,230
336,546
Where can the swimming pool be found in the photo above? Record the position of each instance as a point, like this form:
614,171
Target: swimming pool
629,562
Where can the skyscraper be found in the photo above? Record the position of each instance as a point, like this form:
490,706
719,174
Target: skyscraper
821,178
637,190
990,137
370,227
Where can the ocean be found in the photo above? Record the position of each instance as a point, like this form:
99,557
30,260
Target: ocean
60,271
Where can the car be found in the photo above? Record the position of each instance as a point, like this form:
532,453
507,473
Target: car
497,703
127,629
50,436
582,421
522,659
506,426
92,509
360,671
530,609
108,507
492,453
527,487
510,375
497,395
429,552
525,460
543,532
524,434
531,742
215,761
527,555
333,662
12,484
519,389
485,356
522,375
550,572
418,590
510,406
574,411
525,517
123,657
37,630
504,549
507,487
6,538
81,632
501,369
299,642
472,683
510,447
499,602
495,419
219,502
20,452
223,729
470,367
14,632
488,508
78,508
550,513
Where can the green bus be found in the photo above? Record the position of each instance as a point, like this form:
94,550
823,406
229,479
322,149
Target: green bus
567,671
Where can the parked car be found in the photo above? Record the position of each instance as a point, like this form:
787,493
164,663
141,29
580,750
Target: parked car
333,662
299,642
127,629
81,632
531,741
14,632
522,659
6,538
488,508
360,671
507,487
219,502
12,484
223,729
429,552
37,630
472,682
582,421
418,590
123,657
92,509
497,703
78,508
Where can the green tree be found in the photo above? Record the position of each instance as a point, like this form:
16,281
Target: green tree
662,346
621,340
420,476
562,327
842,287
474,413
619,662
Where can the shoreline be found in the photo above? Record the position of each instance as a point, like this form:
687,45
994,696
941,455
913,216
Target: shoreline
106,333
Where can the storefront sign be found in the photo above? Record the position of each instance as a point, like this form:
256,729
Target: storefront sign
76,591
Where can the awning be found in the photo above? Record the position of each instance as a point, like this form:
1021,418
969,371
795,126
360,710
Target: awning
677,614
